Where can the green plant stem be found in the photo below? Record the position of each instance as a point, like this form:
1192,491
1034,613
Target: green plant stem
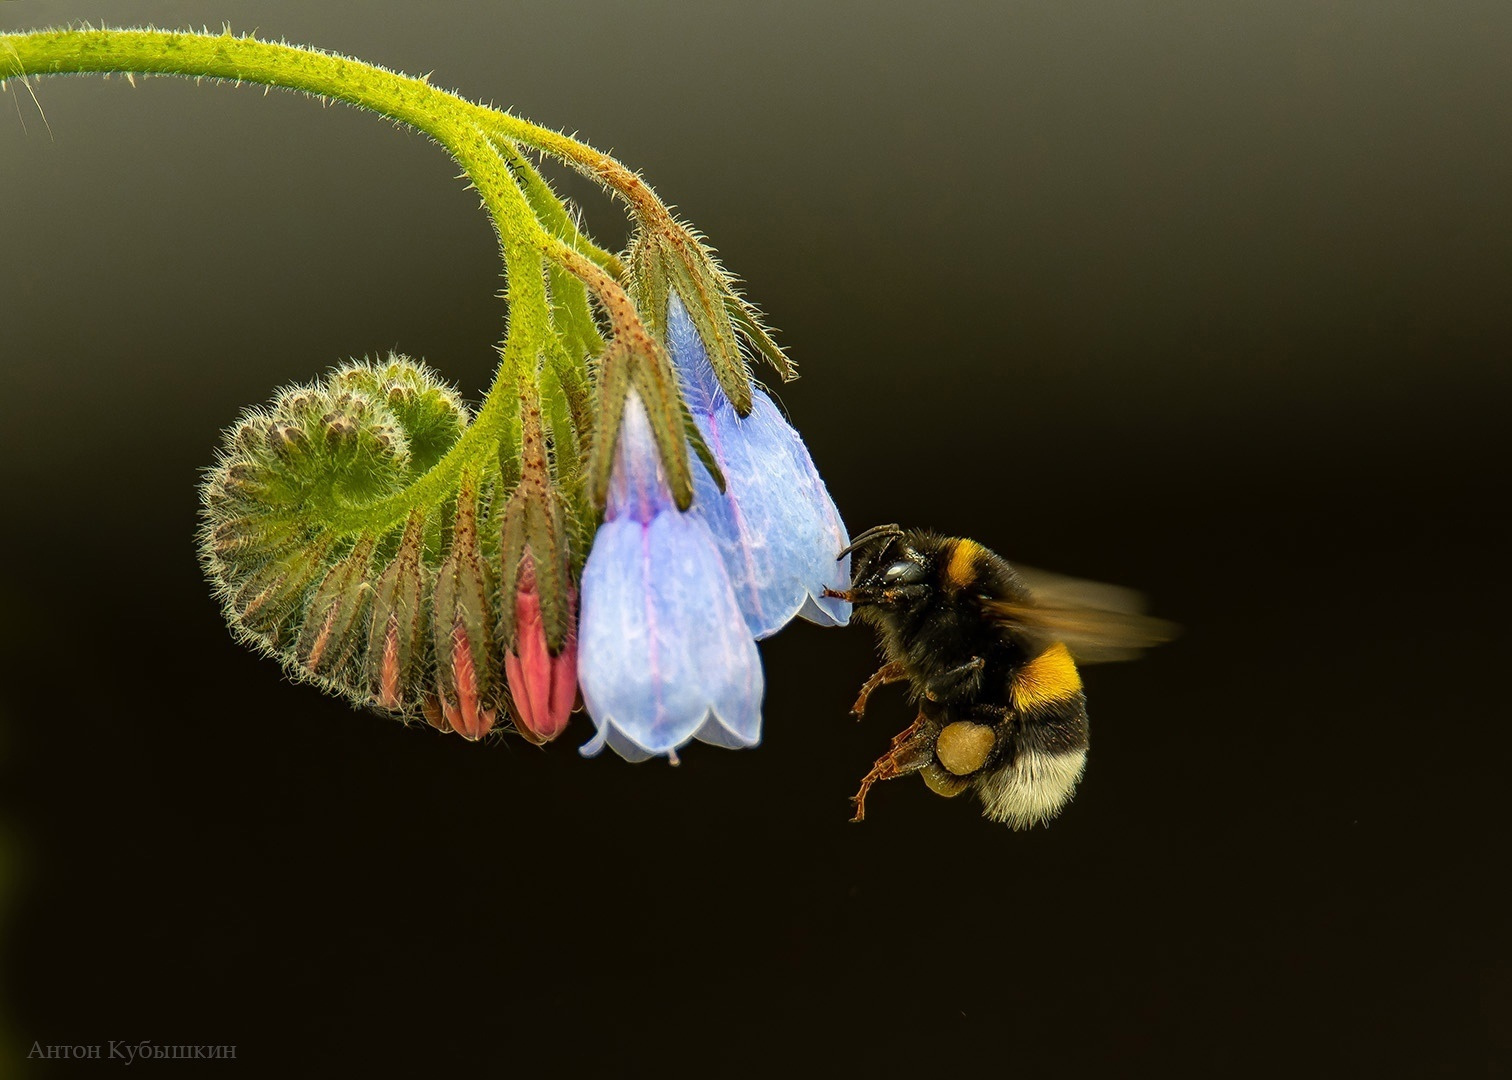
243,59
463,128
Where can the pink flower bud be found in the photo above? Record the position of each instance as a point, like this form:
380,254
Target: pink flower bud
544,687
468,717
466,660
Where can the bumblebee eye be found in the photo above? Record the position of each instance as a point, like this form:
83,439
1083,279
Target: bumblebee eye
903,572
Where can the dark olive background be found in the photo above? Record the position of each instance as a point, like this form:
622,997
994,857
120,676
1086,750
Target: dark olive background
1210,299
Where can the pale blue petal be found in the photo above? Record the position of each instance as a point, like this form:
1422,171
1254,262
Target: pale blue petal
695,374
617,741
664,655
777,527
637,485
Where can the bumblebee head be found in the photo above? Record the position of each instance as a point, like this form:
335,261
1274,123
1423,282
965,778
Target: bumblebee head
891,572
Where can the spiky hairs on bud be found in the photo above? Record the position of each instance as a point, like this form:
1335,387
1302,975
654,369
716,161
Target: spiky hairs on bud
299,574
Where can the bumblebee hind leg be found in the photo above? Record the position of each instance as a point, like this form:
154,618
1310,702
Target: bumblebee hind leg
913,749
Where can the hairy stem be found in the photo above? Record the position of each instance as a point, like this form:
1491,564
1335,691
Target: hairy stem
468,132
244,59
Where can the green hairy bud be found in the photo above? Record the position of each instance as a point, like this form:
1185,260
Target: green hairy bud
399,623
468,672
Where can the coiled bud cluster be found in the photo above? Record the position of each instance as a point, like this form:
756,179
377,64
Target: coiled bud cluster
398,615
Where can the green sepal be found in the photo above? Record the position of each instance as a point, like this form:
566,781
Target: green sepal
571,383
534,519
671,422
663,260
613,381
748,321
668,256
569,470
635,357
659,393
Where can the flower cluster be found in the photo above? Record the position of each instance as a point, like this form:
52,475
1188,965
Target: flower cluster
620,521
672,602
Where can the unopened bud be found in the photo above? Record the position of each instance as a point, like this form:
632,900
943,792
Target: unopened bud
467,716
270,602
462,628
334,631
239,543
428,411
542,684
398,630
287,441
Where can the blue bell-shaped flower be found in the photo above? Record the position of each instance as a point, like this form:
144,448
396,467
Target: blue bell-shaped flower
664,653
776,525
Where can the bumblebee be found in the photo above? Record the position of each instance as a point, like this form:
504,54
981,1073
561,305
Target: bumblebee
990,656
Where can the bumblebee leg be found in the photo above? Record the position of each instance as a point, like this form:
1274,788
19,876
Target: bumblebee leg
911,751
951,681
902,737
888,673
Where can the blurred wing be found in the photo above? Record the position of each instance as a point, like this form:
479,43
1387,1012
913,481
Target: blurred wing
1097,622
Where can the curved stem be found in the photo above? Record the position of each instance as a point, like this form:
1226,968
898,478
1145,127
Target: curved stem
244,59
465,129
549,210
594,164
521,242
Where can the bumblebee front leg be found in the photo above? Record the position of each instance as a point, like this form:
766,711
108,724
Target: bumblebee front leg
911,751
890,672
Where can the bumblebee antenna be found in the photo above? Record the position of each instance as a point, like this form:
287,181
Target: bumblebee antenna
876,532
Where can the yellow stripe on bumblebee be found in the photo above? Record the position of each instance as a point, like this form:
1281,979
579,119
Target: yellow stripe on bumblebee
1049,678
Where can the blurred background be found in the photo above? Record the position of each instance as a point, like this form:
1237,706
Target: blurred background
1207,299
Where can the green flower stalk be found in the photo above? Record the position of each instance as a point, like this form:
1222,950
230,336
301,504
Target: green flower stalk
392,546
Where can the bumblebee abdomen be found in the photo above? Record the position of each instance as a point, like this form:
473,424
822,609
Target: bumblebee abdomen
1033,788
1049,743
